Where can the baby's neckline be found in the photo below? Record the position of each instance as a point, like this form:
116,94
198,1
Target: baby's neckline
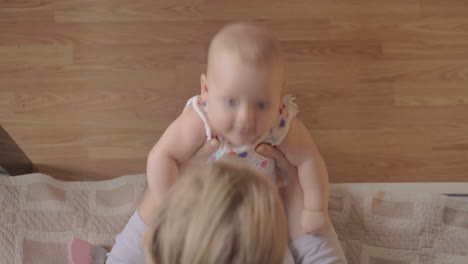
241,148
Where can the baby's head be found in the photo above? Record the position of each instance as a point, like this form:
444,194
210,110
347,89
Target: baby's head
219,213
244,82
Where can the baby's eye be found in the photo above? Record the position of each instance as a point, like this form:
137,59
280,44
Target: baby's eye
231,102
261,105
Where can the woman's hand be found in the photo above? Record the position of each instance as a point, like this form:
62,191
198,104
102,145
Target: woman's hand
291,192
285,171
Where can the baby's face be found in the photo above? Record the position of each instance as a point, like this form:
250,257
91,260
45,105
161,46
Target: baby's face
242,99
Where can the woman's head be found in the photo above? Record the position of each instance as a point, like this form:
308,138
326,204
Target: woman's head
219,213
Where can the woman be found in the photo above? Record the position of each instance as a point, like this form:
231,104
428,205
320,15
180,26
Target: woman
219,213
224,213
306,248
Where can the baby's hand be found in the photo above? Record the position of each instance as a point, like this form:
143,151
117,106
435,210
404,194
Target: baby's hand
314,221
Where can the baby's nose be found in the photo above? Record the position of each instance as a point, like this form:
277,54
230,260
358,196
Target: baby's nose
247,119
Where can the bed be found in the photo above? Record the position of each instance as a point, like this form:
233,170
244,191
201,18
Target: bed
377,223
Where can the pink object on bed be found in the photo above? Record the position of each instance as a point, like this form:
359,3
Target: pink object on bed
39,215
79,251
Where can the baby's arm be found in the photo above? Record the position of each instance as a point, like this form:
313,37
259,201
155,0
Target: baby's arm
178,143
300,149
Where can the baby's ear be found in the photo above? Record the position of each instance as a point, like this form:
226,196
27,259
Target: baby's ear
204,87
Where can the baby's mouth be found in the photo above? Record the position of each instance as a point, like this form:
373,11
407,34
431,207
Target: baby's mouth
246,135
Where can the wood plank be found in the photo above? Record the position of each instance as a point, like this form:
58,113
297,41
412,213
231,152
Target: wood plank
438,93
25,11
32,56
388,140
88,86
418,71
140,56
7,104
82,74
379,166
124,11
449,139
140,32
342,94
8,16
299,51
358,117
424,50
312,8
121,146
119,10
109,109
108,33
449,29
448,8
5,4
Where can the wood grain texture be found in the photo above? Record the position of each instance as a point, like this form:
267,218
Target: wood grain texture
88,86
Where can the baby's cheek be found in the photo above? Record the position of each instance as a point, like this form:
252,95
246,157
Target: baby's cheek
221,123
263,127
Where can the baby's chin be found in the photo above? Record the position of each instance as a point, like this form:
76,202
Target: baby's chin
239,141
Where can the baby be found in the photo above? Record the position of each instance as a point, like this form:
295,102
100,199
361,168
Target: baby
243,104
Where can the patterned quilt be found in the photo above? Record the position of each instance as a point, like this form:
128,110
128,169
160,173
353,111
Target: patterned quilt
39,215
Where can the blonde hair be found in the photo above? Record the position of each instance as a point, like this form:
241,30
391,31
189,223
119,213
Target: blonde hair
218,214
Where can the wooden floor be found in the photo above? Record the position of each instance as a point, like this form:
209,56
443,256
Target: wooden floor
88,86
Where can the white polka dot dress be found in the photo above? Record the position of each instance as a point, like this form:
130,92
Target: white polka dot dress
246,153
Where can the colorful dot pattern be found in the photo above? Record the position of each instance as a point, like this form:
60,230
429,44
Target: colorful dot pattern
243,155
